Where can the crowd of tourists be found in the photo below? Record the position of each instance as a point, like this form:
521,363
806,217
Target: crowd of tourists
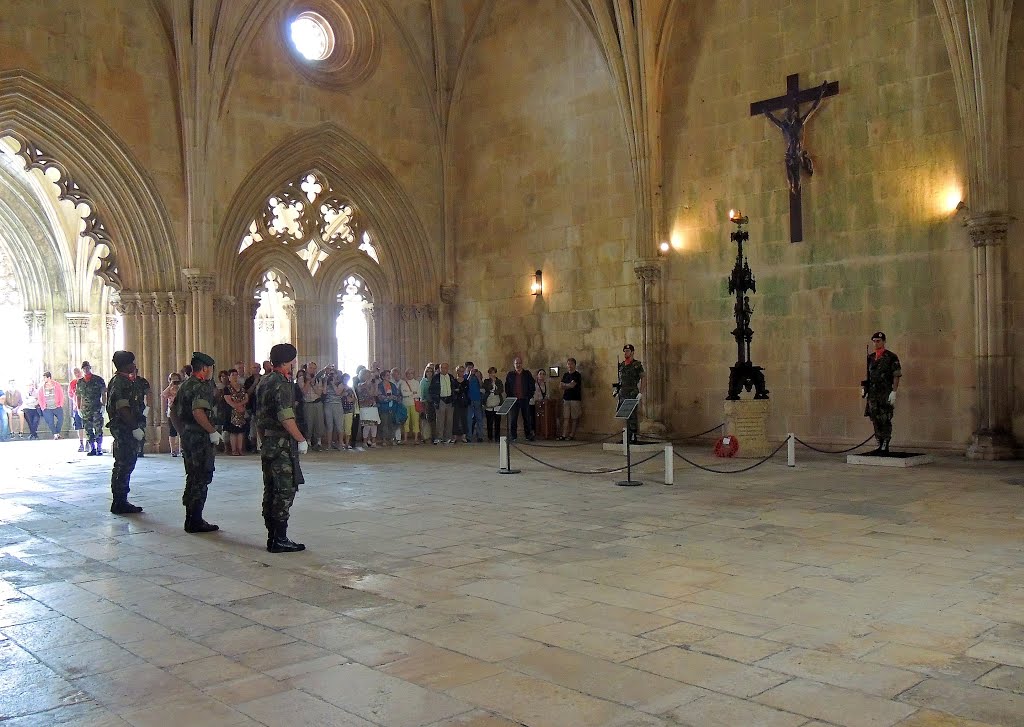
377,406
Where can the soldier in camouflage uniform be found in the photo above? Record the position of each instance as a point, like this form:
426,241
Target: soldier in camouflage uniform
631,374
146,389
124,409
883,369
191,415
91,392
282,445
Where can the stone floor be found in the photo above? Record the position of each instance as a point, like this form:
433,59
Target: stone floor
437,592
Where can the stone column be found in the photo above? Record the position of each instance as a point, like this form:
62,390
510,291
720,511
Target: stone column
180,353
130,306
110,324
78,325
648,274
373,347
446,320
993,438
224,326
199,328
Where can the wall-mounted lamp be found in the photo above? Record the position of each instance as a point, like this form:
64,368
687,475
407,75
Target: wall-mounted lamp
737,217
537,286
663,248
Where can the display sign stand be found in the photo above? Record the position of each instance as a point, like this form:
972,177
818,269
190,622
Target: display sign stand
504,450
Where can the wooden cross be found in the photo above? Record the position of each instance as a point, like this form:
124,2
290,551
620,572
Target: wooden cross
792,126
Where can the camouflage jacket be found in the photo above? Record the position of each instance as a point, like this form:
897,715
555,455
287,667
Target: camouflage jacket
194,393
629,378
275,403
91,392
882,372
123,392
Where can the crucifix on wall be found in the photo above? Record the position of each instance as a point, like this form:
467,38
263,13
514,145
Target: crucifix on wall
791,124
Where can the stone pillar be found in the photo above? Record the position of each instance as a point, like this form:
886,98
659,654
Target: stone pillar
110,324
373,347
180,353
652,340
199,327
993,438
224,323
446,321
130,306
78,326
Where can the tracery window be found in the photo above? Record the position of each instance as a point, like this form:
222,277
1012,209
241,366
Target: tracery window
275,308
353,324
309,217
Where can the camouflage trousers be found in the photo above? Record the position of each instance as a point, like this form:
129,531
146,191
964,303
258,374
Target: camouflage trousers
281,476
880,411
197,453
92,423
126,454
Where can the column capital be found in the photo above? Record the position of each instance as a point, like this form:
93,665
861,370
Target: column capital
198,281
989,228
223,303
78,320
648,271
448,293
177,301
110,322
130,303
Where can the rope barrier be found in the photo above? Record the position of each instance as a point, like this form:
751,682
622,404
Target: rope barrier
585,472
733,472
838,451
701,434
605,438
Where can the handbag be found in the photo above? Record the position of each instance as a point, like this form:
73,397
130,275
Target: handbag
493,400
369,415
419,406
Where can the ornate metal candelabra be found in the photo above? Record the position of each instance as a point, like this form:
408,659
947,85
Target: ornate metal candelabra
744,375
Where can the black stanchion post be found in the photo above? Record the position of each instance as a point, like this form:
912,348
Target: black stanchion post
502,411
624,411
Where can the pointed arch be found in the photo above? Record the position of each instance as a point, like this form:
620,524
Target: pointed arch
256,261
99,165
355,172
340,266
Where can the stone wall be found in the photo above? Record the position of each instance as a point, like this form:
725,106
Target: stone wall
1015,243
881,250
542,181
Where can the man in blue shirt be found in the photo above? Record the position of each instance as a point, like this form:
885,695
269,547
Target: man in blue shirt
475,409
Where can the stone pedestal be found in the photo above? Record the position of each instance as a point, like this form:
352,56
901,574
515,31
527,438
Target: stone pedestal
747,420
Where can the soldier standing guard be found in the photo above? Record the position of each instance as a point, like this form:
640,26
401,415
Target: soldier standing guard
629,386
91,392
145,389
282,443
193,407
883,379
124,409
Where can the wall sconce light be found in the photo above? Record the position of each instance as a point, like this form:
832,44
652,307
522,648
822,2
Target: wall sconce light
663,248
737,217
537,286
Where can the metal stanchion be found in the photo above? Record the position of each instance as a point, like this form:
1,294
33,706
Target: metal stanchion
791,450
505,458
670,470
629,481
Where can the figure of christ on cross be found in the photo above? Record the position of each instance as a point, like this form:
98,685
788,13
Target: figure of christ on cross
792,126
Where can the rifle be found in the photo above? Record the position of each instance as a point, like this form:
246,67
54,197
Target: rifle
618,376
866,383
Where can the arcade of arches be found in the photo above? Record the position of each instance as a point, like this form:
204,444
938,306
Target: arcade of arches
396,184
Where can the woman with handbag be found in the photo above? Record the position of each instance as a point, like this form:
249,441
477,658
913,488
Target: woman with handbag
493,391
410,390
237,421
366,392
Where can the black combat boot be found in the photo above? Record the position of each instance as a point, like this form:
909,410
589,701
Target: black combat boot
99,446
280,542
92,448
270,531
194,522
885,447
123,507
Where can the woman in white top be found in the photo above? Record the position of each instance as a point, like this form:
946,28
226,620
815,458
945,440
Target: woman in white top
410,389
539,395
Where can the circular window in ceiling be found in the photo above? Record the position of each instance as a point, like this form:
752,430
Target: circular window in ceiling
312,36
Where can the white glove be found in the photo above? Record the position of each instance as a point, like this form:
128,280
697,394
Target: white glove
139,434
216,438
145,412
892,398
639,396
303,446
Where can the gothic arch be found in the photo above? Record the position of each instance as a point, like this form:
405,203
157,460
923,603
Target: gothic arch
259,259
99,166
339,267
355,172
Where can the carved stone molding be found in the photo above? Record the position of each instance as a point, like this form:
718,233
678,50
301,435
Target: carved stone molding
40,319
177,302
648,272
69,190
110,322
448,293
988,229
130,304
198,281
223,304
78,320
